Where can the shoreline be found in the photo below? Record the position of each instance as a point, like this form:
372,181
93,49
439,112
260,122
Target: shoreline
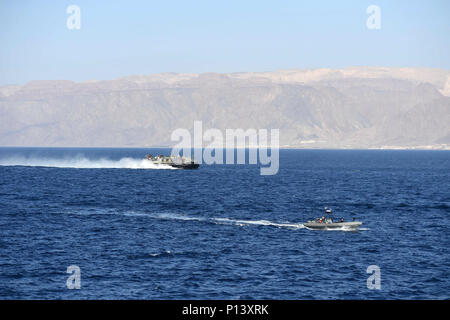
416,148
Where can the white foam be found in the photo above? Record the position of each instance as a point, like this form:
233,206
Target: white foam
259,222
83,163
175,216
343,228
161,253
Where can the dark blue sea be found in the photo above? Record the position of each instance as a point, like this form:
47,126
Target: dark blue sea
223,231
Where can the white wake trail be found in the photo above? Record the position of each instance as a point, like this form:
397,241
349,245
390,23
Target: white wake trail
237,222
83,163
259,222
180,217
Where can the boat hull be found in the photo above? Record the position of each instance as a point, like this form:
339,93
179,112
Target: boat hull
188,166
333,225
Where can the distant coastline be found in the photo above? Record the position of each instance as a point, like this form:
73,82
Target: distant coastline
350,108
418,148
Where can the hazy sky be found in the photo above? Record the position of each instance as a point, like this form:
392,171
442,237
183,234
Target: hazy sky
119,38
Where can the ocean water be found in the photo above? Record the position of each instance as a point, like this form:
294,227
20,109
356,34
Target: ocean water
223,231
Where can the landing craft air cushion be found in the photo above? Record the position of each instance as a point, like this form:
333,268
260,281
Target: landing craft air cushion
175,162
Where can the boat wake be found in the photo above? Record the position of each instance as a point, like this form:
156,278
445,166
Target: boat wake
344,228
212,220
83,163
258,222
228,221
237,222
174,216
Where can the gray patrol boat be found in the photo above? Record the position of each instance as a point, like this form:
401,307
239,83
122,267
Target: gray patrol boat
326,222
